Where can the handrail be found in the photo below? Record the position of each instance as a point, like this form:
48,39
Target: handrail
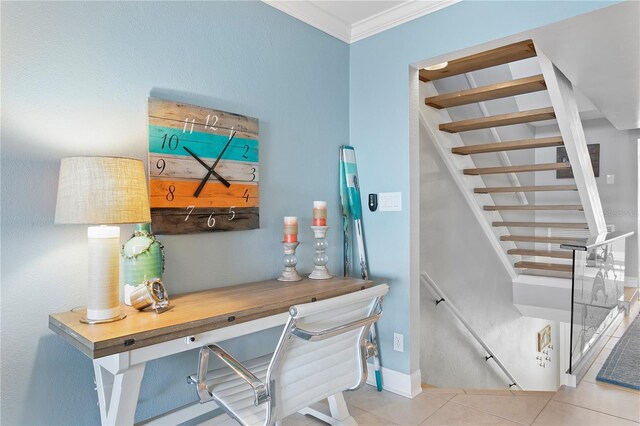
585,244
458,315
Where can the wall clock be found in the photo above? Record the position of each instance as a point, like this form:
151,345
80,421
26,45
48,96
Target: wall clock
203,169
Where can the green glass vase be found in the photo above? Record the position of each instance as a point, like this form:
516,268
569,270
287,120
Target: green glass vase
143,258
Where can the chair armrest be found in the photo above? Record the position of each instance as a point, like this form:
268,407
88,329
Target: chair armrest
259,388
314,336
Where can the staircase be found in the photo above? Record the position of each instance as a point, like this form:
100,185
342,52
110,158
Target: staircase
528,248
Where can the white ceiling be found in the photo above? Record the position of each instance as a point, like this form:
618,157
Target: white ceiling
600,54
353,20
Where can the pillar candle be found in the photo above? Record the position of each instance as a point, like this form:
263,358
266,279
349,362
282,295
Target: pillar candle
319,213
290,229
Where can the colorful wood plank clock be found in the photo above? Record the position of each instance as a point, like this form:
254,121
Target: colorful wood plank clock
203,169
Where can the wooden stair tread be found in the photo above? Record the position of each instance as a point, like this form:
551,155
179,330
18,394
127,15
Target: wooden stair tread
487,93
508,145
562,225
544,273
577,207
519,117
560,254
545,266
497,189
490,58
517,169
539,239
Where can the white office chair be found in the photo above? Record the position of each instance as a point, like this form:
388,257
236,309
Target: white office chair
322,352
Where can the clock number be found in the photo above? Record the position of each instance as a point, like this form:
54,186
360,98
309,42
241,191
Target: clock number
170,143
190,210
211,221
190,123
246,150
253,174
213,126
232,213
186,123
246,195
160,165
171,194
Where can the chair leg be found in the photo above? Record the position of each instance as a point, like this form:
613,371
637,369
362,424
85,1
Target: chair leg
339,412
338,407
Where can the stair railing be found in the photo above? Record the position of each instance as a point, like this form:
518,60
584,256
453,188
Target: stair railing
597,295
490,354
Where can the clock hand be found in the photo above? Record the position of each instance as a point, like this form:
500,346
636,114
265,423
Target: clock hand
220,178
211,170
231,136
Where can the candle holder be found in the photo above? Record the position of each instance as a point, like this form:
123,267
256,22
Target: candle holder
320,260
289,260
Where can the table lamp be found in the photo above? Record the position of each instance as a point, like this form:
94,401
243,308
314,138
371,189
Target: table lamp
102,191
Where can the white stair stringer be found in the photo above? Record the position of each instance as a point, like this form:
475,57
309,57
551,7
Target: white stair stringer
443,143
565,107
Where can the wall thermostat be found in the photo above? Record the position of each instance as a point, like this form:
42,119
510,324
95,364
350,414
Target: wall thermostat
373,202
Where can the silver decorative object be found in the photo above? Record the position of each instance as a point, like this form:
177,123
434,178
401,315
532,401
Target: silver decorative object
151,293
320,260
289,260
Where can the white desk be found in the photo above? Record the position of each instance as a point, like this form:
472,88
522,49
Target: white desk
121,349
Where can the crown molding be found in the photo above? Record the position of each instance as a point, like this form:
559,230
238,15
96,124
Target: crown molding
395,16
308,12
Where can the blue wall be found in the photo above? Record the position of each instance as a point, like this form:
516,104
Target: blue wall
75,81
379,127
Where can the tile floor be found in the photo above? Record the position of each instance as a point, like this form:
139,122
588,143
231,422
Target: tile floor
590,403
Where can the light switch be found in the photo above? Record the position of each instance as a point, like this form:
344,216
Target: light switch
390,201
611,179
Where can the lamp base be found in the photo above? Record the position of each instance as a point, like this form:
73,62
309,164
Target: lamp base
103,293
86,320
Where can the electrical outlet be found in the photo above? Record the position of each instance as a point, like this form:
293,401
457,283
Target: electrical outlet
398,342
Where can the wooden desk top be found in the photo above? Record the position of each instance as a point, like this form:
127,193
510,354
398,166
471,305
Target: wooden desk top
193,313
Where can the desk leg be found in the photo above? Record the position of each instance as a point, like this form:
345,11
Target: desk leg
118,393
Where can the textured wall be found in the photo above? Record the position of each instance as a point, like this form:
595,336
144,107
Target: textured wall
380,108
461,260
75,81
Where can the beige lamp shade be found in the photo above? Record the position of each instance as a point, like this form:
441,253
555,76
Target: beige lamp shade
101,191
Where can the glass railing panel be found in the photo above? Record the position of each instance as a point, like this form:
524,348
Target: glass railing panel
598,286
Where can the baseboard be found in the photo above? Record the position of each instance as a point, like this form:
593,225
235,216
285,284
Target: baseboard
407,385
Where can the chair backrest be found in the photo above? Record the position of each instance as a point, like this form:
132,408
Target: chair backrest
322,350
